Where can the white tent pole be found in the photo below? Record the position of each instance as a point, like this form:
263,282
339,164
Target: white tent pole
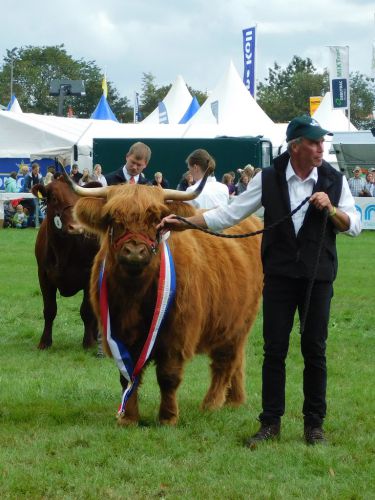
256,61
349,90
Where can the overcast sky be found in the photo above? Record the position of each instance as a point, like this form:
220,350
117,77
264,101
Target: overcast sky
196,38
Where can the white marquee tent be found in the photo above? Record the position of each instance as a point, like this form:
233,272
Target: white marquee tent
333,120
176,103
29,135
230,110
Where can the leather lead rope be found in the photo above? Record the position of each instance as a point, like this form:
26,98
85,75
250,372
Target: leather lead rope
269,228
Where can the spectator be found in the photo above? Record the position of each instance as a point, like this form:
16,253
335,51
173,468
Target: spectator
227,180
75,174
372,171
249,170
160,181
19,219
368,190
136,161
33,178
48,178
241,185
10,183
356,183
86,177
23,172
214,193
10,186
98,176
185,181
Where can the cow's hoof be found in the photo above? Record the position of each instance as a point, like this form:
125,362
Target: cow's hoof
125,421
88,345
233,404
168,421
44,345
211,404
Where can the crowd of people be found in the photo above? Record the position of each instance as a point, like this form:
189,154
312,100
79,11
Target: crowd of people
25,212
362,186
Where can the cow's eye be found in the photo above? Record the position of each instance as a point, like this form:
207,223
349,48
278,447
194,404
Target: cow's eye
118,229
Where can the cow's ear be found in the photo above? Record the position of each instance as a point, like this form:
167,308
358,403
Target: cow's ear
88,212
39,190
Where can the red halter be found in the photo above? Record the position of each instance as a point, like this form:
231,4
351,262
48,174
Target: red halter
152,244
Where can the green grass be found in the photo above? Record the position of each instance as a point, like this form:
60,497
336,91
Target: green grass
58,435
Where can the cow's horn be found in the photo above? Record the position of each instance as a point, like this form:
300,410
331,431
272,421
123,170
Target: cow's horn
98,192
173,194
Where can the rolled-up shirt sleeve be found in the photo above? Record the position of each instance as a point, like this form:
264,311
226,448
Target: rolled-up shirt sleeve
347,205
241,207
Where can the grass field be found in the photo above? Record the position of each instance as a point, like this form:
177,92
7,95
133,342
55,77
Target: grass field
58,435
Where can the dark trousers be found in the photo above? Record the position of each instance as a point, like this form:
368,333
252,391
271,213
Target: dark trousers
281,298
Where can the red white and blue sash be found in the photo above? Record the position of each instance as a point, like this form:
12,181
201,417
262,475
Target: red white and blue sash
121,355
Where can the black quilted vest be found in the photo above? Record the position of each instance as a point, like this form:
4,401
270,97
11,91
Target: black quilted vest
284,253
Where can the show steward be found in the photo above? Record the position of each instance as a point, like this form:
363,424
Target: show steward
168,299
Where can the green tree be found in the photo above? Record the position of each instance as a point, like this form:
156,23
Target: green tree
35,67
286,92
151,94
362,100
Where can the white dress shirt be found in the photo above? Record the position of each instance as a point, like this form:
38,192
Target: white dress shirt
214,194
251,200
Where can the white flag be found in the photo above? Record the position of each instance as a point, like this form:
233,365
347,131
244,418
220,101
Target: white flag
339,76
373,60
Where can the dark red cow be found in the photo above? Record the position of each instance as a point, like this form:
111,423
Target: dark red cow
64,255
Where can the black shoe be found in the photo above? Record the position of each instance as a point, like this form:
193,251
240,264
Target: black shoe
266,432
314,435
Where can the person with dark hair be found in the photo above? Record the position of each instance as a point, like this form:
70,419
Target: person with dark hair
75,174
241,185
31,179
227,180
10,183
214,193
289,253
136,161
185,181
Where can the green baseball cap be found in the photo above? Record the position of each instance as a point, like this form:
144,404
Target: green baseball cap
305,126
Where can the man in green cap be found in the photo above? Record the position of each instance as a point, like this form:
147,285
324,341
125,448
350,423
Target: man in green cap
288,256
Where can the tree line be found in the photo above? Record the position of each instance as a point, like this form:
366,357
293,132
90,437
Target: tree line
283,94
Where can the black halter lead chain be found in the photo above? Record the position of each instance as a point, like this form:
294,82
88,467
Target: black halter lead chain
270,227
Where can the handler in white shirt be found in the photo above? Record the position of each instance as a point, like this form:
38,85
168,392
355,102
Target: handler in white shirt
251,200
214,194
288,264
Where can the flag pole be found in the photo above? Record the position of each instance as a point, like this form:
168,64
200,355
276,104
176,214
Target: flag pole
349,89
255,61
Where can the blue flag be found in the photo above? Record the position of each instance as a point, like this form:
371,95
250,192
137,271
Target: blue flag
249,59
163,115
137,111
190,112
215,110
